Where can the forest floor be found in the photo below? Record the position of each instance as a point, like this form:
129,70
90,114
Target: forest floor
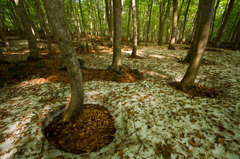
152,119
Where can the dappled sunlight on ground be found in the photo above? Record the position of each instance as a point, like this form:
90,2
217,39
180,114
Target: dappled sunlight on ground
151,117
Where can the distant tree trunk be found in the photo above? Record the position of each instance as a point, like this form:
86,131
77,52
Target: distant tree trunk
174,26
182,39
83,22
32,42
100,22
180,11
162,26
76,26
15,19
129,19
149,20
138,20
42,22
205,10
57,18
237,39
90,18
135,33
109,22
116,62
224,22
213,21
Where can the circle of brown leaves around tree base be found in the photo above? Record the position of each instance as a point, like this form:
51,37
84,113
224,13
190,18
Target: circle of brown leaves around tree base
91,130
198,90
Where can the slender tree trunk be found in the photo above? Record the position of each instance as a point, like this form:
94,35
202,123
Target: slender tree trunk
233,29
174,26
129,19
83,22
42,22
109,21
182,39
57,18
100,22
90,18
32,42
161,29
138,20
149,20
76,26
116,62
213,21
180,11
16,23
223,25
237,39
205,10
135,33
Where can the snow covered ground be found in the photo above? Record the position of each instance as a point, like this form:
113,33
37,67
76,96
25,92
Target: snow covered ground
153,120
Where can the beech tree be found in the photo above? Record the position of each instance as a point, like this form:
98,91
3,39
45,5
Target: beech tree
135,33
174,26
57,18
32,41
117,14
205,10
228,11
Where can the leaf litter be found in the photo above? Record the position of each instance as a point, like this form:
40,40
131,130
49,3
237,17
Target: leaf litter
152,119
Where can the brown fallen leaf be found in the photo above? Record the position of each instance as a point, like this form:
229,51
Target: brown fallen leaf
192,142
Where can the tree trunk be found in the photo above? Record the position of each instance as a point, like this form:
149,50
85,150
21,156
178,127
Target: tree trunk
15,19
76,26
135,33
182,39
100,22
174,26
90,18
237,39
42,22
228,11
32,42
205,10
213,21
129,19
117,11
162,26
138,20
149,20
109,22
83,22
179,12
57,18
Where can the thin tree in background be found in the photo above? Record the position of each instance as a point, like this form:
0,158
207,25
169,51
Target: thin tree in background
149,20
109,21
32,42
205,10
213,21
57,18
117,11
174,26
237,39
129,19
40,15
227,13
182,39
99,21
84,23
135,33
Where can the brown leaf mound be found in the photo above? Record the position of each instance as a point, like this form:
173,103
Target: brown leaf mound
198,90
92,129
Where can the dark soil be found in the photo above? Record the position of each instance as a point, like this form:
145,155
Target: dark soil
198,90
92,129
48,68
